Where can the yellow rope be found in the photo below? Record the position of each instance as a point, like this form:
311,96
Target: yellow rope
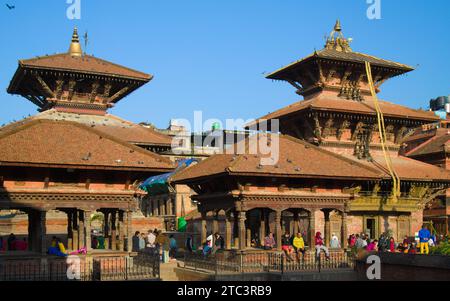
382,131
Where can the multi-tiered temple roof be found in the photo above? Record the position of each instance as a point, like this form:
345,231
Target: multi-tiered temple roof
73,92
334,79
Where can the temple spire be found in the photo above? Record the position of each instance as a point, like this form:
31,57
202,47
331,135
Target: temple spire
75,46
337,41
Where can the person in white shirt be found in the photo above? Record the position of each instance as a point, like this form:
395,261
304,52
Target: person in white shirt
151,237
334,243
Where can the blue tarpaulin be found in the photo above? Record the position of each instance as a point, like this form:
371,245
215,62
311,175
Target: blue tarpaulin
160,184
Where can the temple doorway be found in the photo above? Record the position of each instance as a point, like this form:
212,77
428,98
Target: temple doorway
371,227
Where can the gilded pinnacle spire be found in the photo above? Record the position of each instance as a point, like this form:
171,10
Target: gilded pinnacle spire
337,26
75,46
337,41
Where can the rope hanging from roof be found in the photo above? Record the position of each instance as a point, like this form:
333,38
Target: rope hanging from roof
382,130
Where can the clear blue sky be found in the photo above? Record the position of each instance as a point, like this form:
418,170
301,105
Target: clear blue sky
211,55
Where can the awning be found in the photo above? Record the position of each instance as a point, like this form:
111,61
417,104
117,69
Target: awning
160,184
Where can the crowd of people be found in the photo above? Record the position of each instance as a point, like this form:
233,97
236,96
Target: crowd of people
386,243
13,244
156,242
295,245
214,242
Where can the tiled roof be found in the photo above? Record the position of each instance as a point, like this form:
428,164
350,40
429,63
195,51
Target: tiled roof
296,159
83,64
332,54
366,107
436,144
407,169
108,124
65,143
302,160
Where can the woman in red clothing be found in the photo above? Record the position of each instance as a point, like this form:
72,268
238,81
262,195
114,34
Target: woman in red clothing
392,245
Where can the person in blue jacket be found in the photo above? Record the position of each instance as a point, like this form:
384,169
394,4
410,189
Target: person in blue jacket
424,237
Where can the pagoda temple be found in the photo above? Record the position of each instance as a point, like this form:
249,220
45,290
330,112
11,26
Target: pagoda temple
337,172
74,157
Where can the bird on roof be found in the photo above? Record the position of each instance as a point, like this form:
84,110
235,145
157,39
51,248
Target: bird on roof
10,7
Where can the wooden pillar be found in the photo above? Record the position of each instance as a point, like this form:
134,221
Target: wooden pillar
41,232
228,231
296,223
241,229
278,230
215,223
203,228
87,226
31,238
327,228
113,230
161,208
74,229
249,238
69,230
129,232
106,227
344,233
154,207
121,231
81,234
312,228
262,226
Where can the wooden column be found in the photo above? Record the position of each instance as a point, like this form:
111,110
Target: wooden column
31,239
69,230
344,233
215,223
278,230
129,232
74,229
241,229
81,234
161,208
249,237
203,228
262,226
106,227
296,223
228,231
87,226
121,231
113,230
327,228
154,207
312,228
42,231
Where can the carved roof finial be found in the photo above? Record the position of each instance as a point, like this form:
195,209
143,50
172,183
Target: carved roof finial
75,46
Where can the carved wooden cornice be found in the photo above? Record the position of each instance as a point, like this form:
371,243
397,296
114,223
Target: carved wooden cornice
50,201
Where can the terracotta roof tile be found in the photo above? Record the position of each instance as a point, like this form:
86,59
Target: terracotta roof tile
433,145
65,143
297,159
108,124
406,168
86,64
333,54
366,107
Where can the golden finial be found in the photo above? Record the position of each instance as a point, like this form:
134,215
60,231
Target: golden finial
75,46
337,26
336,39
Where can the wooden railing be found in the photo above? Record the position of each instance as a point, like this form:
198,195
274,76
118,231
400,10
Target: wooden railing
141,267
260,262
